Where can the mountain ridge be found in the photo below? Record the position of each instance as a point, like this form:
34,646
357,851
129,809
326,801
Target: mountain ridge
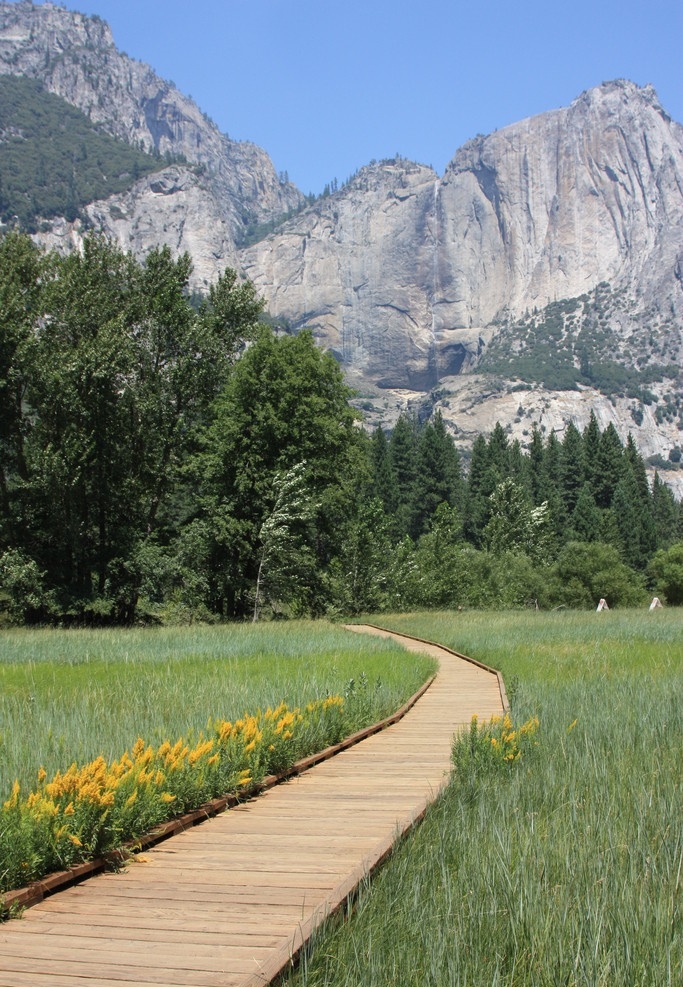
411,278
75,57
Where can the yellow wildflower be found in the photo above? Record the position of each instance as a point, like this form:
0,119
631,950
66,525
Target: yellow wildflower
200,750
13,800
138,748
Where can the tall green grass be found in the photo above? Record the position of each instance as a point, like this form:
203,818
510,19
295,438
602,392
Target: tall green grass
70,696
565,870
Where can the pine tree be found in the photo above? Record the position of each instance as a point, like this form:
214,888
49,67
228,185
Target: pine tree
626,511
519,466
383,482
585,522
438,477
647,529
536,452
481,482
403,449
498,449
572,473
609,467
665,513
591,446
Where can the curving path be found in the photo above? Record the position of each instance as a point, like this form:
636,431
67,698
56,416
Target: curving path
231,901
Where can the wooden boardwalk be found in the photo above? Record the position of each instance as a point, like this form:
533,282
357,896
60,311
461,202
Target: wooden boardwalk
230,901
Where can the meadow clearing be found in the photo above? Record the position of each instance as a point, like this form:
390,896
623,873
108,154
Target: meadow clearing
156,721
563,868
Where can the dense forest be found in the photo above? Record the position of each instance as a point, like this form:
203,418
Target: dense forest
168,459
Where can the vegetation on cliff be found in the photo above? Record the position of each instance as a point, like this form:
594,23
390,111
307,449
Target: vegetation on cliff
53,160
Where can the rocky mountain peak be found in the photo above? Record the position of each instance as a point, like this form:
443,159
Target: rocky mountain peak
74,56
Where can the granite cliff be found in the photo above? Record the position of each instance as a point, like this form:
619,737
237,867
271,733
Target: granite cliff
539,277
407,275
549,257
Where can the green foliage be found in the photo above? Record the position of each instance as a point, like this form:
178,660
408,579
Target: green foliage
485,749
570,342
666,569
358,573
285,403
107,374
286,563
586,572
23,596
53,160
514,525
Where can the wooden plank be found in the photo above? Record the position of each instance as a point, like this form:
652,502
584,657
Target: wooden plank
76,951
40,978
59,972
176,937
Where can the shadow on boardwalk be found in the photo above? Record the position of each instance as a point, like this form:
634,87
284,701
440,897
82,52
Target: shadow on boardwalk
231,901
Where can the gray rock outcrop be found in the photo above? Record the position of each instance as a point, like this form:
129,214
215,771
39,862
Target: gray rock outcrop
404,274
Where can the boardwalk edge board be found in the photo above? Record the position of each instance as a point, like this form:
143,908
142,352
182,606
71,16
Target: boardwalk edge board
286,957
35,892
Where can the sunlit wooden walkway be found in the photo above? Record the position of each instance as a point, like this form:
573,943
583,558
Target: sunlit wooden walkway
230,901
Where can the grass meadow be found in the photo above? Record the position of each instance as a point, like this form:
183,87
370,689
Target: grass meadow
73,695
563,869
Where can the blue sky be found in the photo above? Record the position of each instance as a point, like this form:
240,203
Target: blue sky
326,87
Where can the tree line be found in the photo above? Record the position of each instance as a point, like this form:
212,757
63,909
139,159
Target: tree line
168,458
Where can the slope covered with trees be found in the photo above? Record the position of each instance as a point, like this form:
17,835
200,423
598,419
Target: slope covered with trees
53,160
164,460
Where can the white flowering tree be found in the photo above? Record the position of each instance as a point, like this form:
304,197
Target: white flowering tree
286,559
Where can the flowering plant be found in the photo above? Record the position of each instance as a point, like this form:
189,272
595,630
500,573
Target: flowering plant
91,809
495,744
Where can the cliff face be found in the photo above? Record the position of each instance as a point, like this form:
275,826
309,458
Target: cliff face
358,269
550,207
172,207
405,275
417,282
75,57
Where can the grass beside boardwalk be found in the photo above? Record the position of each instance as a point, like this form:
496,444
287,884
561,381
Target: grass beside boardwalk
105,735
565,868
72,695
